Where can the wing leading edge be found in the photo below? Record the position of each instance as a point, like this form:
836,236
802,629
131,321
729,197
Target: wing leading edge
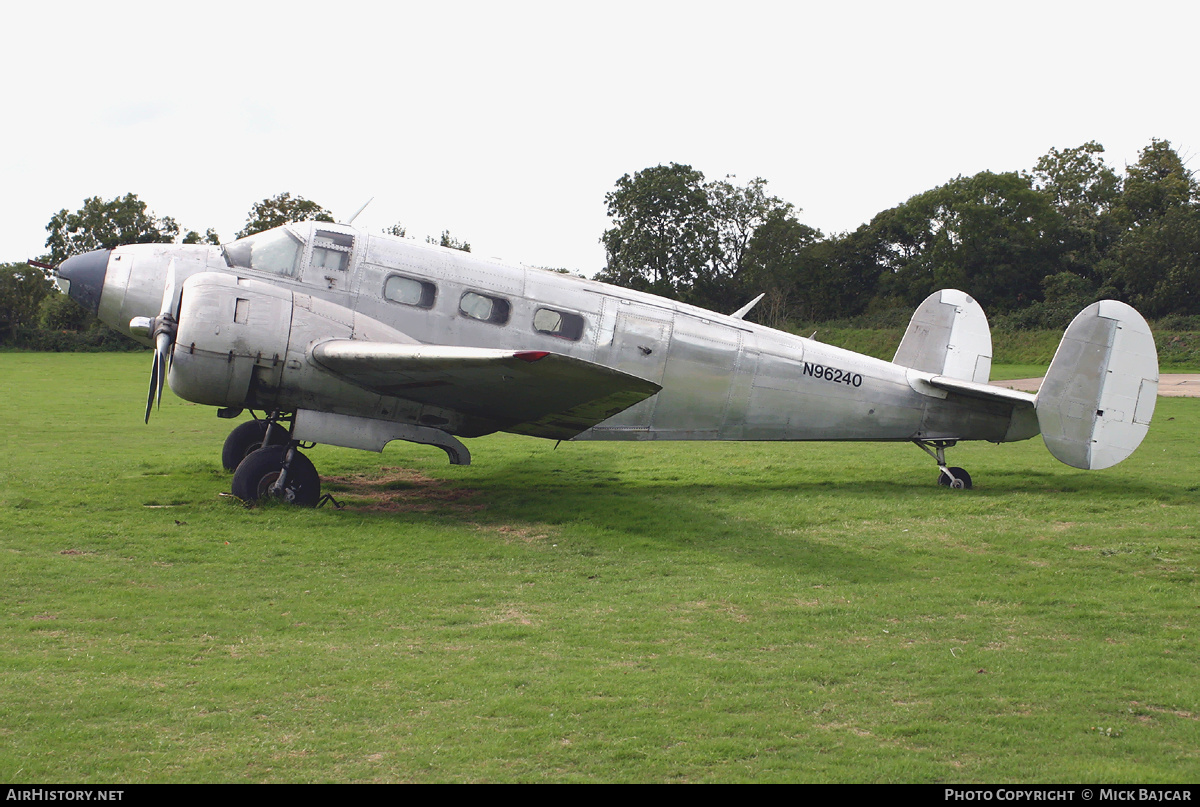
530,392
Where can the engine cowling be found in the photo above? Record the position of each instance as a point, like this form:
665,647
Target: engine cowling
232,332
243,343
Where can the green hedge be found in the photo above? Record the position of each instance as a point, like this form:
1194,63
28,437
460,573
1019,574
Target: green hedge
94,340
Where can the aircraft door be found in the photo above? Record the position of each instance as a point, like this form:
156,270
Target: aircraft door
640,344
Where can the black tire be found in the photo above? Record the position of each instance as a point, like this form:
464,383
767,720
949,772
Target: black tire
254,477
959,474
247,438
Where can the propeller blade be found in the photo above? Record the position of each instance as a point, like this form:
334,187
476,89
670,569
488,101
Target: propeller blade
154,383
170,308
164,335
160,353
169,304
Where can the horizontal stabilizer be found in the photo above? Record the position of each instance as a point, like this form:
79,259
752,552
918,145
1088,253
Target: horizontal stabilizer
1095,405
530,392
948,335
986,392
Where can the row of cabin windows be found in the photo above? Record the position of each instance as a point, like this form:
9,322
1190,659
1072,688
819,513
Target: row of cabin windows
421,293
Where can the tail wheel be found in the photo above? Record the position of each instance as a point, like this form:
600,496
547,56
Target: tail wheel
962,479
257,477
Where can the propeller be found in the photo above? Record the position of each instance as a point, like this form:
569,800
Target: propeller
163,328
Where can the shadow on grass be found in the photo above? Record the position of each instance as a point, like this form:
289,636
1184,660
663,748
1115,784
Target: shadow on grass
781,510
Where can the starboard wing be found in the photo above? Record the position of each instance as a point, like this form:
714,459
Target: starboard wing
530,392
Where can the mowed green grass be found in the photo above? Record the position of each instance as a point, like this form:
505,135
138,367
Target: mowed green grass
595,612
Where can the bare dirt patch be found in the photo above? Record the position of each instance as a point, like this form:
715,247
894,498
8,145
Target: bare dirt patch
399,490
521,534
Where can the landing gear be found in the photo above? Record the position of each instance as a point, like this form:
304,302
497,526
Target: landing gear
250,436
947,477
278,472
954,478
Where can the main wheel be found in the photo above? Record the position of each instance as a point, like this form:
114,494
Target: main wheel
247,438
255,477
962,479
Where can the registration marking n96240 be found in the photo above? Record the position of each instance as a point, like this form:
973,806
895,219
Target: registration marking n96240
833,375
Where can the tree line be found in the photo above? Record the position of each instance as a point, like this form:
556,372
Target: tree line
1034,245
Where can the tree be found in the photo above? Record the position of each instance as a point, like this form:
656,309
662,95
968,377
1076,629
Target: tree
1155,263
1084,191
661,239
737,213
211,237
450,241
1077,181
104,225
991,234
99,225
780,262
677,235
1156,183
279,210
22,289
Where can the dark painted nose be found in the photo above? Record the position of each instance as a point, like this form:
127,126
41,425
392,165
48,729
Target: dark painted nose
85,276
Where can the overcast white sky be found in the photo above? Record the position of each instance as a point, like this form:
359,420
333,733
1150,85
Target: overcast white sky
507,122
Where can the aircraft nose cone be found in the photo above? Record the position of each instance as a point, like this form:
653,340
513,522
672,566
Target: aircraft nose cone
85,276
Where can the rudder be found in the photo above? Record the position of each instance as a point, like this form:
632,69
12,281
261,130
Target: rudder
1095,405
948,335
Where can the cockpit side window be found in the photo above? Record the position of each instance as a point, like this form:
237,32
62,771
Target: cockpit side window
332,250
276,251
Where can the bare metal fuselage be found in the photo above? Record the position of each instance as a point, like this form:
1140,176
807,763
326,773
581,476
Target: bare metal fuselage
722,378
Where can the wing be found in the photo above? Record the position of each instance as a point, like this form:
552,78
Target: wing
530,392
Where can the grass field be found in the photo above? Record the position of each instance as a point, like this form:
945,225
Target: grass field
595,612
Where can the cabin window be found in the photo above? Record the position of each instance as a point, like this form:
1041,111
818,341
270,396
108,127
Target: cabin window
482,307
276,251
562,324
409,291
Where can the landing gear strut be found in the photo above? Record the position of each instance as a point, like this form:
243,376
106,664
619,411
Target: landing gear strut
947,477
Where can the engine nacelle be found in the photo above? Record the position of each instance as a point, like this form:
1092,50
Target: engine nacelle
243,343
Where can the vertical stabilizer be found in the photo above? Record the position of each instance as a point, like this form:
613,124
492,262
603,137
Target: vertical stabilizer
1095,405
948,335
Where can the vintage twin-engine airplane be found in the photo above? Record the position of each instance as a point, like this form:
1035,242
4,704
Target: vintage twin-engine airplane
355,339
